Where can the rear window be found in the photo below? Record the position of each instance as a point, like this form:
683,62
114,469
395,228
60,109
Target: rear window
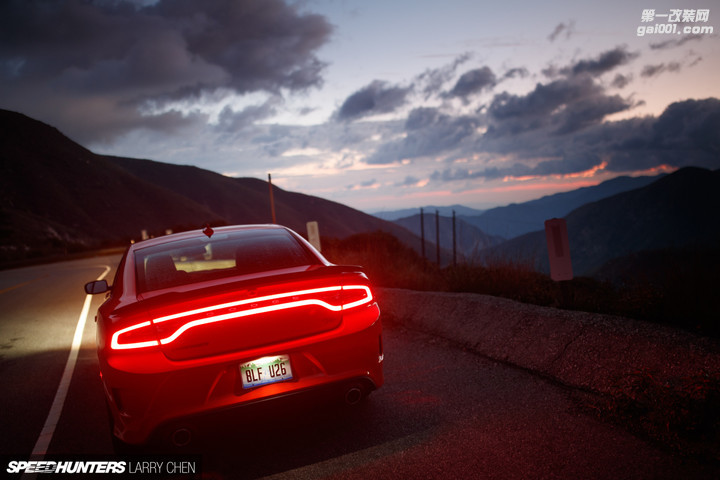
224,255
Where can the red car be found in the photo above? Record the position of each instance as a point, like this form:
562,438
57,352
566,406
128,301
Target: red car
203,321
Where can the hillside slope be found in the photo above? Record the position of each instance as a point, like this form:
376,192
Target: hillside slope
56,196
55,192
246,200
678,211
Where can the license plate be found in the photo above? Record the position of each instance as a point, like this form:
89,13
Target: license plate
266,370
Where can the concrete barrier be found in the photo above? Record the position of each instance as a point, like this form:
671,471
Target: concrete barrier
576,348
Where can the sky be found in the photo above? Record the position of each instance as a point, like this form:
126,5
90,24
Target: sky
379,105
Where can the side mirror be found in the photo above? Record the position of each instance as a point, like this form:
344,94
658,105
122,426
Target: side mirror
98,286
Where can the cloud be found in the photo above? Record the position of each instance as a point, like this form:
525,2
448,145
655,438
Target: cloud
559,128
562,106
432,81
605,62
621,81
573,101
131,64
590,111
695,61
675,43
568,28
691,128
686,133
428,131
521,72
376,98
409,181
472,82
543,100
371,184
261,44
654,70
538,124
490,173
230,120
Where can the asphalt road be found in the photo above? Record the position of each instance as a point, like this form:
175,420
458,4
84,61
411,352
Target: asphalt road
443,413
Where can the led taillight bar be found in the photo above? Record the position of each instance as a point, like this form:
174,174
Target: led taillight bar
293,300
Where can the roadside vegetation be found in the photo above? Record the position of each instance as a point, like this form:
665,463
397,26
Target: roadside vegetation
681,294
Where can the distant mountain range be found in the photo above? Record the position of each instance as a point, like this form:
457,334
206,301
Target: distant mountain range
459,210
516,219
477,230
57,196
470,241
513,220
677,213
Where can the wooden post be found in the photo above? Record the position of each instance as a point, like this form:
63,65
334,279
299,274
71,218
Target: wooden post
454,243
313,233
422,233
437,236
272,200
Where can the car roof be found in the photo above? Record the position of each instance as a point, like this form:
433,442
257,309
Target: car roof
199,233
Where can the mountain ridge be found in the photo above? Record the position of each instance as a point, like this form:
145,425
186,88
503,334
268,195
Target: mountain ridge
678,211
58,196
516,219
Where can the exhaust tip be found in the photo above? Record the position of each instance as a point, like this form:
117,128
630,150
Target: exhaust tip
181,437
353,396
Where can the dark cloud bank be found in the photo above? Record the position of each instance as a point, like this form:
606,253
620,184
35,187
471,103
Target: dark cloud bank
559,127
99,69
102,68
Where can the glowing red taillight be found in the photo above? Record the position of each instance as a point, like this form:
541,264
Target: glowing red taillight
166,329
140,335
354,296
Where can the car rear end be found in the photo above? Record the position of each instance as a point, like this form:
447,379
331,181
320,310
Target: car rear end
250,315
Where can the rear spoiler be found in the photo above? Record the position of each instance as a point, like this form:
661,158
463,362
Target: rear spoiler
317,271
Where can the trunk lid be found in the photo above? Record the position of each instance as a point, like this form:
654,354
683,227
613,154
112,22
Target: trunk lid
243,315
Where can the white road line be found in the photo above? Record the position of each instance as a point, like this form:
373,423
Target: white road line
46,434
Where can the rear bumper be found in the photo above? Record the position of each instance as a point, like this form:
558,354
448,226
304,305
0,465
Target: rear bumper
259,415
177,394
